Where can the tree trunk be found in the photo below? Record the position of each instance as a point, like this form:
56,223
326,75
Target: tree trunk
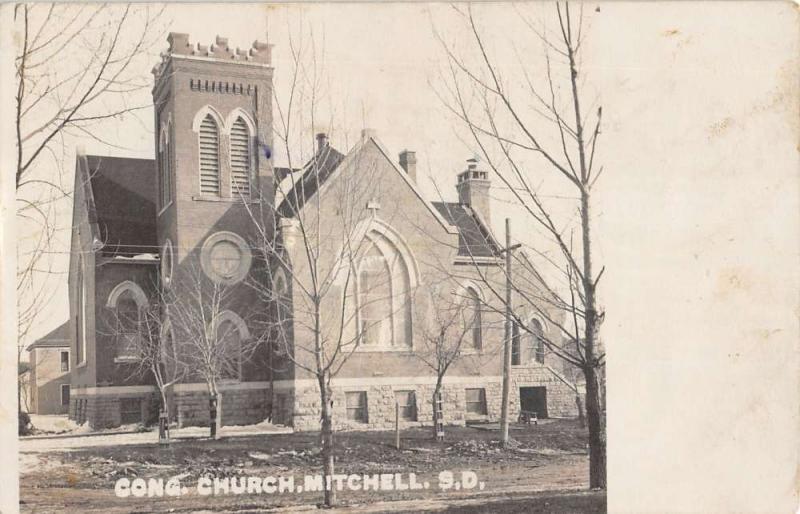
327,442
597,431
436,392
218,420
163,419
213,418
271,367
581,417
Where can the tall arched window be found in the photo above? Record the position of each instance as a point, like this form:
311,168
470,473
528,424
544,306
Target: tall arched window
208,141
128,301
283,314
80,325
474,318
537,342
375,299
231,332
384,296
240,159
129,325
169,352
164,166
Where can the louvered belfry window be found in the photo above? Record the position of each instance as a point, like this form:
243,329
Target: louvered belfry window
240,159
209,156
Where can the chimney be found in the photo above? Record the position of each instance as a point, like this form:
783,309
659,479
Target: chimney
408,161
322,141
473,189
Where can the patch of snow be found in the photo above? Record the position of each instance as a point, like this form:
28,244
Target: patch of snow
50,423
138,257
259,455
113,437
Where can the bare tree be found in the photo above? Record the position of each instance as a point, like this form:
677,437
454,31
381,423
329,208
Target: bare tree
211,343
144,340
311,267
312,241
529,134
24,379
71,62
451,327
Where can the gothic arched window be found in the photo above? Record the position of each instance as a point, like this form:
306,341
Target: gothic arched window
474,318
231,332
241,157
384,296
169,352
208,141
80,353
516,358
164,165
127,300
283,313
538,340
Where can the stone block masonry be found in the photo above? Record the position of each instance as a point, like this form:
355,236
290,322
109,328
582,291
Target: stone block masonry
239,407
106,411
299,406
381,401
189,408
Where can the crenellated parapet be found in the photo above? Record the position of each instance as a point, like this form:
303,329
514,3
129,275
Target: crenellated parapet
179,44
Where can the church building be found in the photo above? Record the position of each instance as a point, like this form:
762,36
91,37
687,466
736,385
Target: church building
343,254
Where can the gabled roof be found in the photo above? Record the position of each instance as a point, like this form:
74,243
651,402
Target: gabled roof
123,205
59,337
474,239
298,190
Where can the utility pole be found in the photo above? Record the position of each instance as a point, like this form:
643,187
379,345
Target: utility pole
508,335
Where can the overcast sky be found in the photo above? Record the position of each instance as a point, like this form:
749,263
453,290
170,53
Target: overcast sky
697,217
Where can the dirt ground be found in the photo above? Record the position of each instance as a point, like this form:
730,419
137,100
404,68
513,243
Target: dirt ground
545,458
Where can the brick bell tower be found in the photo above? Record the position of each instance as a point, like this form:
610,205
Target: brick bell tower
213,135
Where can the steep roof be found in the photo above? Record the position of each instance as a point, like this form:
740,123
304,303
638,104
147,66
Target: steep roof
315,173
473,237
59,337
124,206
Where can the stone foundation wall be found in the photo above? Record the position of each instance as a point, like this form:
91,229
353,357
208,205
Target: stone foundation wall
104,411
239,407
560,396
300,408
381,401
381,406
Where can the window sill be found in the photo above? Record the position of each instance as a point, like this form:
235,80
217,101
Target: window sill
220,199
384,349
125,360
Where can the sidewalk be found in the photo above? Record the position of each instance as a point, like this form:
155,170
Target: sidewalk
34,444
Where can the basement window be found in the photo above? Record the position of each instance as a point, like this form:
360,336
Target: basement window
407,401
356,406
476,401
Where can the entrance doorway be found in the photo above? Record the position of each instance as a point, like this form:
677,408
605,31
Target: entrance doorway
534,399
